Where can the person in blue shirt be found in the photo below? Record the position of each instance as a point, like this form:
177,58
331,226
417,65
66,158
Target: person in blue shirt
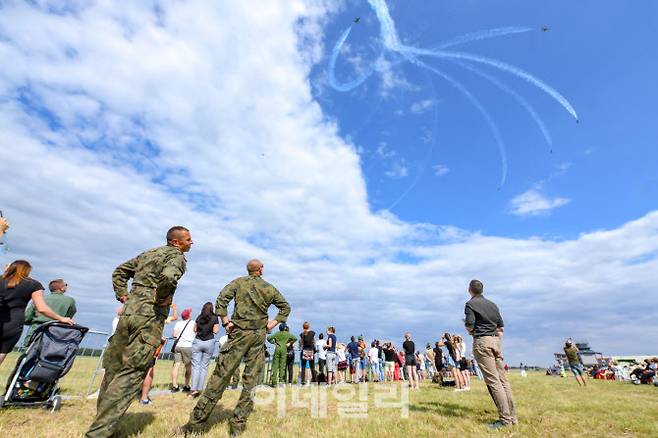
331,355
353,351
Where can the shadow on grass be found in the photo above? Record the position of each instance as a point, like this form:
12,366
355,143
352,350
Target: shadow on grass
134,423
219,415
445,408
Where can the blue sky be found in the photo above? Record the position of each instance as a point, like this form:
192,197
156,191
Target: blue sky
371,209
595,54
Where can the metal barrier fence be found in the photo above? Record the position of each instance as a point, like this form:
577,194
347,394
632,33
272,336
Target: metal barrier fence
84,378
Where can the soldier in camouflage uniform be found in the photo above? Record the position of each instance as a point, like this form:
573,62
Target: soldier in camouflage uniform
131,349
282,340
246,338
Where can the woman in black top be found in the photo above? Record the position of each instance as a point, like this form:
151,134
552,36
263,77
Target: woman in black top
410,360
453,365
203,346
16,290
307,343
438,357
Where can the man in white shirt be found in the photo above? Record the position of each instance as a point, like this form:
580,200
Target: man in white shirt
320,345
373,358
184,332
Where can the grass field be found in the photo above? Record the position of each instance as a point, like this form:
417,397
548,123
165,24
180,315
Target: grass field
546,406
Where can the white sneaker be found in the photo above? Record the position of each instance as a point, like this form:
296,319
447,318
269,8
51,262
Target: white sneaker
458,390
468,388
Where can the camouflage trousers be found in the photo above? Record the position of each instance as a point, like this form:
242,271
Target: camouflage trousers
242,345
279,366
127,359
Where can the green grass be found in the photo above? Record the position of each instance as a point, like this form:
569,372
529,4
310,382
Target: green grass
546,406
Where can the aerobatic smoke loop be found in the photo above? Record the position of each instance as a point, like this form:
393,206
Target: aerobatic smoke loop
391,42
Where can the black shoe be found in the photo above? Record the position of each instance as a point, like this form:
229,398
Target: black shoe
173,388
186,388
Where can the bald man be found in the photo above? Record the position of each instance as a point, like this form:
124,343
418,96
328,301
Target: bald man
246,330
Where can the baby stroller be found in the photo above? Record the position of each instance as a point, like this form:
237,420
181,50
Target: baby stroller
49,356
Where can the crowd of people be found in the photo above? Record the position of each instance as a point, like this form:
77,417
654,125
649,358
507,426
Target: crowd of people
636,372
325,360
137,340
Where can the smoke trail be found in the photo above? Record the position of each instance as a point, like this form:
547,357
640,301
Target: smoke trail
483,35
428,154
387,26
392,43
523,102
477,104
331,73
501,66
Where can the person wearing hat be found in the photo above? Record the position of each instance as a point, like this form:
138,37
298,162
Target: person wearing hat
282,340
575,364
184,333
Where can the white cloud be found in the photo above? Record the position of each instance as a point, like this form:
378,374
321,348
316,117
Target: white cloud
130,121
533,203
398,170
440,169
423,106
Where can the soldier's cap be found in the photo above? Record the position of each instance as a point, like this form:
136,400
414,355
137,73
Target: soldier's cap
283,327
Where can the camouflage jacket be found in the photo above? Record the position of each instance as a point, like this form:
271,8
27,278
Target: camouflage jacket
155,275
252,296
282,339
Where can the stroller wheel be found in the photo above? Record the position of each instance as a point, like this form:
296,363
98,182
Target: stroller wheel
57,403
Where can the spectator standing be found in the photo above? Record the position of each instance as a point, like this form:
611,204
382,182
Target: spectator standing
330,348
184,333
438,357
523,372
321,352
399,366
58,302
16,291
460,347
420,366
206,326
130,351
429,360
410,360
373,359
290,363
453,362
341,365
382,361
282,341
389,362
363,361
574,362
353,353
484,322
247,330
307,345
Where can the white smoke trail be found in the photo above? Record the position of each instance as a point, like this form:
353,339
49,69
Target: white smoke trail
331,73
520,99
391,41
387,26
501,66
477,104
483,35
